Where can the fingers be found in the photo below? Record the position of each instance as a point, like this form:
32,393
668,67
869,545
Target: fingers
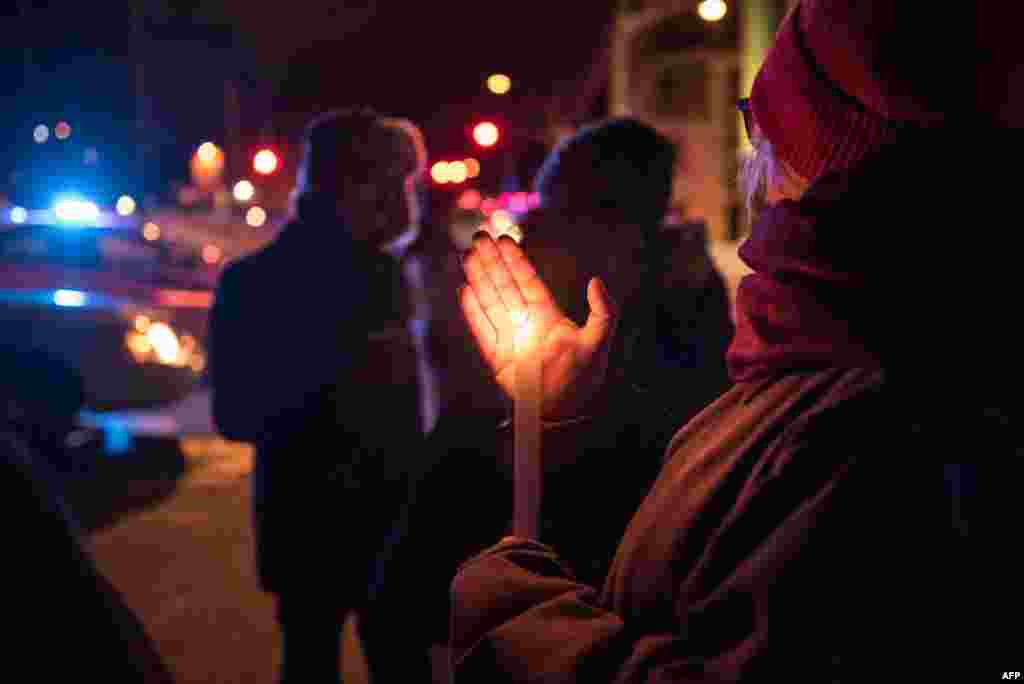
533,289
491,280
603,317
479,324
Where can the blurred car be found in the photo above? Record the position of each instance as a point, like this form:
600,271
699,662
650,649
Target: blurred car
108,305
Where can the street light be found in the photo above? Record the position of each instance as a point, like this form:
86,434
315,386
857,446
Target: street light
244,191
485,134
265,162
457,172
712,10
499,84
439,172
125,205
256,216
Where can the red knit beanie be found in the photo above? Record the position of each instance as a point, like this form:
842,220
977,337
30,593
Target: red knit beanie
845,76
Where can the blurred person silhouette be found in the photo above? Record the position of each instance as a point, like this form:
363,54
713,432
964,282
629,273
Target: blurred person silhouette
603,196
312,361
67,620
791,529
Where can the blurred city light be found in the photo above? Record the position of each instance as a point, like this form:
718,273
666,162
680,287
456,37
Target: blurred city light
73,210
499,84
501,220
256,216
211,254
164,341
69,298
125,205
489,206
265,162
457,172
472,167
142,323
207,153
469,200
62,130
18,215
439,172
244,191
41,133
151,231
533,200
712,10
485,134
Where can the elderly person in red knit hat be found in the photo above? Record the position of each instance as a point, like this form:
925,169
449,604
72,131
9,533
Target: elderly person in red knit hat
801,523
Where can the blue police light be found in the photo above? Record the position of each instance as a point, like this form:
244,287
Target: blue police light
75,210
18,215
69,298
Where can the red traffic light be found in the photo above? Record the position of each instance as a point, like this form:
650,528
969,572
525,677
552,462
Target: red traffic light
485,133
265,161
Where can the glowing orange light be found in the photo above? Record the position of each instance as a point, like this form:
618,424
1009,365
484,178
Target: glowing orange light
457,172
499,84
472,167
211,254
151,231
712,10
265,162
439,172
485,134
208,153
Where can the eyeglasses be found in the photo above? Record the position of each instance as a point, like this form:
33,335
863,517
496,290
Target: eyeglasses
748,117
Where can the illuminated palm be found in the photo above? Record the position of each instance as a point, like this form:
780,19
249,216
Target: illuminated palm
502,285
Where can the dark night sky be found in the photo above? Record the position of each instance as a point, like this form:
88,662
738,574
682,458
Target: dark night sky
423,60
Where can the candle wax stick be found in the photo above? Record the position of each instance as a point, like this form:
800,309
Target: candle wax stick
528,471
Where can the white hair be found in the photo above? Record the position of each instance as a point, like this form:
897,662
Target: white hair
762,169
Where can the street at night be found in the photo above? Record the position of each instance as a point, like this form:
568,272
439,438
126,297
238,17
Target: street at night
395,342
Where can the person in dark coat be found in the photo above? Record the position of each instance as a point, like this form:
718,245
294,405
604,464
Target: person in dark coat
312,361
66,621
800,528
603,195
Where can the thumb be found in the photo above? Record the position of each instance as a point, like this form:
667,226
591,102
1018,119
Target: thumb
603,316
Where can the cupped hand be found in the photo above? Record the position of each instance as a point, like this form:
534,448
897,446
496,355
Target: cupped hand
503,289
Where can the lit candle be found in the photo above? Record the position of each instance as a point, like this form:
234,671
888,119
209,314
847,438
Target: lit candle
527,408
